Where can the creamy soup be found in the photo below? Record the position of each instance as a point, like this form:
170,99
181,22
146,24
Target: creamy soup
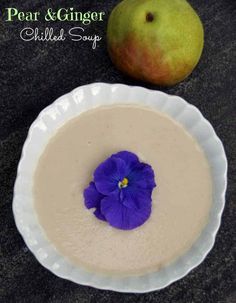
181,200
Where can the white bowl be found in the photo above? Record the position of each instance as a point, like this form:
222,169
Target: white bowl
73,104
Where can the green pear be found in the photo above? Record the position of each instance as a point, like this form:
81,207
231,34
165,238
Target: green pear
157,41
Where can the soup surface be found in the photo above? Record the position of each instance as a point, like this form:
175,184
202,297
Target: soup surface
181,200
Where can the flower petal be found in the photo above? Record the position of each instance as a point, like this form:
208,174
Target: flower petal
130,158
98,214
108,174
142,175
120,216
125,207
92,197
136,198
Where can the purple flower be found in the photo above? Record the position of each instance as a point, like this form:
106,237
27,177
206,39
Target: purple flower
121,191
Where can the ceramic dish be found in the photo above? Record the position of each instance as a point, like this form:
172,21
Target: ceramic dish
68,106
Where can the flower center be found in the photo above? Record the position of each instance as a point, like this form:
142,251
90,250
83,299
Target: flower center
123,183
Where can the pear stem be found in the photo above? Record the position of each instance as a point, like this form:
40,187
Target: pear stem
149,17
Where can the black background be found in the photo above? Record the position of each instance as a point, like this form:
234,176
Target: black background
34,74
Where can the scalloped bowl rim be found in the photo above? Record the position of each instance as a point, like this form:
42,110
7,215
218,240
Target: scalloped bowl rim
139,284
